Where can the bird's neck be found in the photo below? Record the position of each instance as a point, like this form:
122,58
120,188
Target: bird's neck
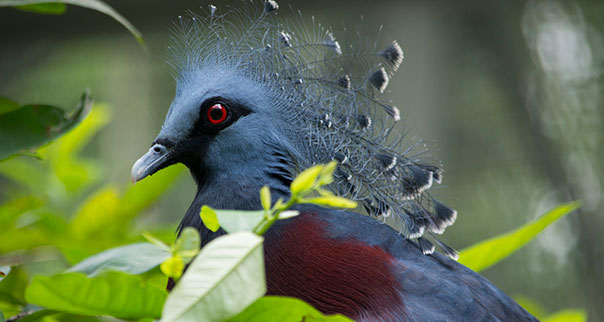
237,189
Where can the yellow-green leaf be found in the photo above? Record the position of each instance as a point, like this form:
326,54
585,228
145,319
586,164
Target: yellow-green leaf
285,309
6,105
239,220
326,176
265,198
306,179
187,245
155,241
208,216
486,253
173,267
45,8
531,305
332,201
567,316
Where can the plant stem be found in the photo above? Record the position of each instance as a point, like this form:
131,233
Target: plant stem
265,223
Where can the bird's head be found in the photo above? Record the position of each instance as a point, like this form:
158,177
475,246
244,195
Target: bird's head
223,126
259,100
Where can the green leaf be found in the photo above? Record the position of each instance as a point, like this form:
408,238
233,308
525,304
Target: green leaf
90,4
284,309
530,305
306,179
4,270
144,193
7,105
10,310
187,245
112,293
132,259
567,316
226,277
2,319
99,215
239,220
265,198
12,287
332,201
173,267
74,172
489,252
35,125
45,8
156,241
11,210
326,176
208,216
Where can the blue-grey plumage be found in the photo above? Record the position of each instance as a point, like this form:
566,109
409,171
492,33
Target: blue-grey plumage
260,99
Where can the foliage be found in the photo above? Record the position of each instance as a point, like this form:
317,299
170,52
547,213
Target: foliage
111,293
59,212
224,281
285,309
486,253
29,126
58,7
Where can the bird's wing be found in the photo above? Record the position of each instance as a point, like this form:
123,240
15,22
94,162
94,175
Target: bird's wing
349,263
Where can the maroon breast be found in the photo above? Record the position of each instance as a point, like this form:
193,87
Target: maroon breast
334,275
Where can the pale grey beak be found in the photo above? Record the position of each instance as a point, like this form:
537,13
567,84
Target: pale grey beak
152,161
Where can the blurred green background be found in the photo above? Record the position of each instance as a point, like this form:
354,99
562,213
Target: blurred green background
507,94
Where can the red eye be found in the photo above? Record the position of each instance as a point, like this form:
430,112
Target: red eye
217,113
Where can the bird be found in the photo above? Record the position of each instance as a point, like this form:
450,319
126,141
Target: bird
258,99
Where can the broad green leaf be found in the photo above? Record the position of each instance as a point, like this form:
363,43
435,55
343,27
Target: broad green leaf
90,4
486,253
145,192
208,216
74,172
7,105
306,179
226,277
239,220
132,259
187,245
2,319
111,293
28,174
45,8
9,309
12,287
4,270
530,305
567,316
13,208
156,241
332,201
35,125
265,198
23,238
284,309
99,215
173,267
